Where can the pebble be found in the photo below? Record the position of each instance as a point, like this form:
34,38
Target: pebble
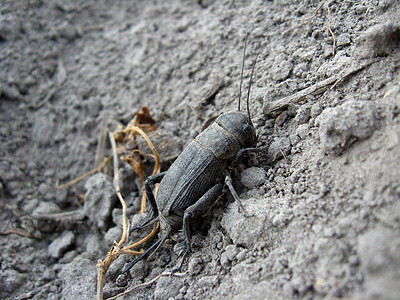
279,147
302,131
281,70
231,252
45,208
61,244
315,110
253,177
99,199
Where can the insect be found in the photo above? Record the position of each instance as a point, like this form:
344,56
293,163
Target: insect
195,180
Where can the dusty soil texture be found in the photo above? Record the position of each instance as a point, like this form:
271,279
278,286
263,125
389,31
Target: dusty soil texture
323,193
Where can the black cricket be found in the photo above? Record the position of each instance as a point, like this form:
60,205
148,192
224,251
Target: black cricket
195,180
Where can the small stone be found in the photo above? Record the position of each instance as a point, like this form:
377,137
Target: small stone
11,280
294,139
303,114
43,129
379,260
61,244
122,280
117,216
235,223
68,31
127,179
62,197
281,69
343,40
113,234
94,107
292,109
278,148
316,110
393,139
242,255
231,252
281,219
195,266
302,131
30,205
253,177
280,120
10,92
45,208
353,260
94,246
99,199
329,232
61,73
224,260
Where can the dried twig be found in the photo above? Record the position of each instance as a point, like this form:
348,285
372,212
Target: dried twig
18,231
317,88
141,123
48,97
118,249
313,90
146,284
75,215
102,139
94,171
133,129
330,28
35,291
125,223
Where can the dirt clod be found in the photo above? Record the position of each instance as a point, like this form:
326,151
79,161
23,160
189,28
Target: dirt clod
341,126
99,199
378,40
253,177
61,244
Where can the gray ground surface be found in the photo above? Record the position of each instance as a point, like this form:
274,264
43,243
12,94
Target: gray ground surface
324,192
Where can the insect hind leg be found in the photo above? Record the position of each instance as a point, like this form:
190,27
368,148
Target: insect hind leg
201,205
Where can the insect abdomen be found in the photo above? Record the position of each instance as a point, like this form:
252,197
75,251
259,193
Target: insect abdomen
192,174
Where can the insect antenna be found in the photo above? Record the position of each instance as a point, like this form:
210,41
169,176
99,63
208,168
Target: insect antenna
251,81
241,74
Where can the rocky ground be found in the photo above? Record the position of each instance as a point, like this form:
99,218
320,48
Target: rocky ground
323,192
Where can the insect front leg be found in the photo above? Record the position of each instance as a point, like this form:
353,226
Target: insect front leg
201,205
149,184
228,182
239,156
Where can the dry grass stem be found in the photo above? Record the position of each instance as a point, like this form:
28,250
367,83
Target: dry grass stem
118,249
94,171
146,284
319,87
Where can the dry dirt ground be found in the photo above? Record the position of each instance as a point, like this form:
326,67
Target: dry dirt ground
323,192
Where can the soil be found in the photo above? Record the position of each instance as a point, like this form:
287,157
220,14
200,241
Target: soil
323,192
